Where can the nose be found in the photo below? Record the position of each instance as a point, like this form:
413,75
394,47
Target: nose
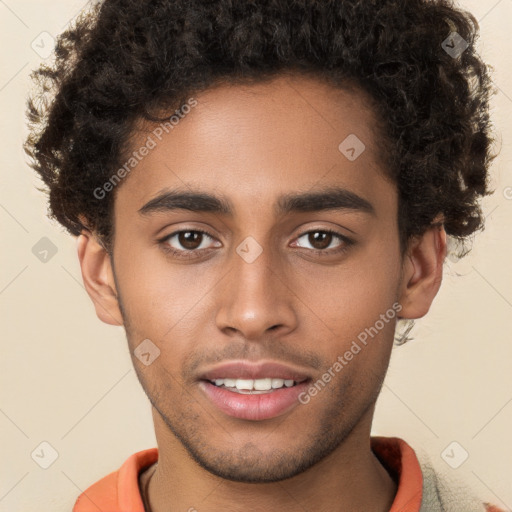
256,299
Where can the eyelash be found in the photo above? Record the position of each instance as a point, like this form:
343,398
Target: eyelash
193,253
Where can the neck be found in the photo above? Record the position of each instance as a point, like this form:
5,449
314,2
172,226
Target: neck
350,478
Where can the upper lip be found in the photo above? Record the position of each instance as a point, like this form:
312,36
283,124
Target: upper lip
251,370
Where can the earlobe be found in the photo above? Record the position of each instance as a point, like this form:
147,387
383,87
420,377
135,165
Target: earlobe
423,272
98,278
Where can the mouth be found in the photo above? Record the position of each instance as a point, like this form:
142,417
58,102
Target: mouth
253,391
255,386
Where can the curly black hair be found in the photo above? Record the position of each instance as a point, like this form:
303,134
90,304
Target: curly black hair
123,61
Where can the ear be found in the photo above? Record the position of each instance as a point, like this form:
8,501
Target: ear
422,272
98,278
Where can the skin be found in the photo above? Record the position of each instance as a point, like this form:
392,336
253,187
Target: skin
252,144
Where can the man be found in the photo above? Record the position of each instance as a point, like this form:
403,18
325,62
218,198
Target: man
260,191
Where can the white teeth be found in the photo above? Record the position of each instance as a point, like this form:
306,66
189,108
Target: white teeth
277,383
265,384
244,384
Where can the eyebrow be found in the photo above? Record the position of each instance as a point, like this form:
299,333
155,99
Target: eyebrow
327,199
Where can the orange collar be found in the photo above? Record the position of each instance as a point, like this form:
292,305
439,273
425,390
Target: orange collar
119,491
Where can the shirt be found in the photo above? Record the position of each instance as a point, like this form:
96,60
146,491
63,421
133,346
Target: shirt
119,491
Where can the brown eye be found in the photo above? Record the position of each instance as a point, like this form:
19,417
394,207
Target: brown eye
188,242
190,239
320,239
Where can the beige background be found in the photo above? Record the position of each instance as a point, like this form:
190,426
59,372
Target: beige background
67,379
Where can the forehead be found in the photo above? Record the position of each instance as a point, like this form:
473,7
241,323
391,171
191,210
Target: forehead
256,142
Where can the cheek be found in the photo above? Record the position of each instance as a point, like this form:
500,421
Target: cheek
354,311
160,297
348,298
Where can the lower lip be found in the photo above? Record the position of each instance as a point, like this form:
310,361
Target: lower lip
254,407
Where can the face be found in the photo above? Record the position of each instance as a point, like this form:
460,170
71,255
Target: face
276,272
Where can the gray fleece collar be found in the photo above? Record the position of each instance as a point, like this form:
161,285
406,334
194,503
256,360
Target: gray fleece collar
443,494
